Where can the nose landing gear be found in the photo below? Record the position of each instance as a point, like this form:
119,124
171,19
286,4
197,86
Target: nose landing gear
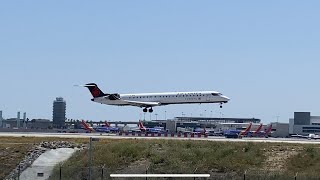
220,105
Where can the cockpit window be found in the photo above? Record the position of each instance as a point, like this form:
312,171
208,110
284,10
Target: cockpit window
216,94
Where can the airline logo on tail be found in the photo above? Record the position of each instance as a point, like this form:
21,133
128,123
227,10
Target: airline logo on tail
94,90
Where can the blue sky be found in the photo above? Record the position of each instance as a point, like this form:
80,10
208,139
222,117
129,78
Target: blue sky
263,55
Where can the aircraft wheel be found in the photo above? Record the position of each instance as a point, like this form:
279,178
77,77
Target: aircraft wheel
145,110
150,110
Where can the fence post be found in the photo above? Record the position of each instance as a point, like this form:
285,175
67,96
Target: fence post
19,171
244,175
60,173
102,172
147,172
295,177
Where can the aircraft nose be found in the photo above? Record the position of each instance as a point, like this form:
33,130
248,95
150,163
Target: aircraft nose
225,98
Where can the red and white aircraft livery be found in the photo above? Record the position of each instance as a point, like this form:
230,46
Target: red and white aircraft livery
149,100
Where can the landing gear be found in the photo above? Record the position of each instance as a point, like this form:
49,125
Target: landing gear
220,105
146,110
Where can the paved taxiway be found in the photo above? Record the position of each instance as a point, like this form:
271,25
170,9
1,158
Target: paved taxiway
113,136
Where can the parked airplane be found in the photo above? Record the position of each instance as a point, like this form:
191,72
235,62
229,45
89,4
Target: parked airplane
150,130
149,100
259,133
99,128
237,133
310,136
266,133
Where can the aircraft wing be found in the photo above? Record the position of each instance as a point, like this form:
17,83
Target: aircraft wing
142,104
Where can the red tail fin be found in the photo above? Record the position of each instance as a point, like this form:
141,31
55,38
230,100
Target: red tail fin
246,130
269,130
258,130
86,126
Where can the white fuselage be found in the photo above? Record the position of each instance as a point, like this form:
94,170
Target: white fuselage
167,98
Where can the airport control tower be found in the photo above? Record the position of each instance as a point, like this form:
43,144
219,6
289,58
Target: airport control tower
59,113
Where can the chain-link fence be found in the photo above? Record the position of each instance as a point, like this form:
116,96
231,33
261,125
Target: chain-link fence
62,172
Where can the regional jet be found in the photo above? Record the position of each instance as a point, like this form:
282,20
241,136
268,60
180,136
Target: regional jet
149,100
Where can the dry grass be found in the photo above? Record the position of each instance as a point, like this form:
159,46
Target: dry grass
277,161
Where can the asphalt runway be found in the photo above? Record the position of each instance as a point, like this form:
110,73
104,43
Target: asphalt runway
114,136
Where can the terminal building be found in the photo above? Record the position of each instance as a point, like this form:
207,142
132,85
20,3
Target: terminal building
303,123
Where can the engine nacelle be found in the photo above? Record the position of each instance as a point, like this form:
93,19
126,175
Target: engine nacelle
114,96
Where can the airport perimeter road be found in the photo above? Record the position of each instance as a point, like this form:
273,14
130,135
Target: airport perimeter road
113,136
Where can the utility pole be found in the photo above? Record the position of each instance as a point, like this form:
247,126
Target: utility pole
90,156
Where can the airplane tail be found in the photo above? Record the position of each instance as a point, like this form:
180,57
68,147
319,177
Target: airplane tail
86,126
246,130
258,129
94,90
268,131
141,126
107,124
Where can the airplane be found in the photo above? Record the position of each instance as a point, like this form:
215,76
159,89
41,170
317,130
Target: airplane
259,133
237,133
150,100
150,130
310,136
100,128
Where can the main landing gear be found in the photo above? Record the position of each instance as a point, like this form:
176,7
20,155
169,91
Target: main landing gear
146,110
220,105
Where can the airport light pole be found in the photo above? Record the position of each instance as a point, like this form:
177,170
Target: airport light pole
210,114
165,115
156,116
